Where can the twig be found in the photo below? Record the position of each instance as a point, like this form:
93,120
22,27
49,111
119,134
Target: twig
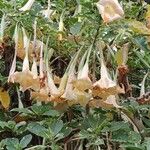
37,146
107,142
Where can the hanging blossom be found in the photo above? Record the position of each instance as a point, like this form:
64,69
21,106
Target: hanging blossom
43,94
105,89
48,12
48,90
26,78
77,91
27,6
110,10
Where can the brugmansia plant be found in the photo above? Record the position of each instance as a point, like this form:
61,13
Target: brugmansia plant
74,75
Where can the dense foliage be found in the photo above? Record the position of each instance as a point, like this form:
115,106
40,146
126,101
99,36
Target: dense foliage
74,35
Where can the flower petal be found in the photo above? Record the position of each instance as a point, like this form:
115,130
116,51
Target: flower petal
110,10
27,6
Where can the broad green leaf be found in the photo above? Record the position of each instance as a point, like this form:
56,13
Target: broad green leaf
115,126
39,130
52,113
41,109
75,29
11,143
56,127
23,110
25,140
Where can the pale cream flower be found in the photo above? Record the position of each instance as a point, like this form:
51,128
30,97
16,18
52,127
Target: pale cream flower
26,78
27,6
106,89
79,92
48,12
110,10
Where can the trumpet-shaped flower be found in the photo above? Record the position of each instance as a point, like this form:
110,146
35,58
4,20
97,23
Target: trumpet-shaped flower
43,94
83,81
110,10
79,92
106,89
48,12
25,78
27,6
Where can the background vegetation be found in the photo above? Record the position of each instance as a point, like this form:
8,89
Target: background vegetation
28,125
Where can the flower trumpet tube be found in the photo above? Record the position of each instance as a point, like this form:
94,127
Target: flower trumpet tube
142,92
106,89
27,6
34,69
61,27
70,71
22,42
83,81
110,10
13,66
2,27
44,92
25,78
80,86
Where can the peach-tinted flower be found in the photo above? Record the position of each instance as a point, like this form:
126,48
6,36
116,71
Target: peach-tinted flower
79,92
106,89
110,10
25,78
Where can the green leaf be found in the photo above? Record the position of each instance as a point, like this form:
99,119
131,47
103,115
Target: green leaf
39,130
56,127
40,110
141,42
75,29
25,140
11,143
23,110
134,137
3,124
115,126
52,113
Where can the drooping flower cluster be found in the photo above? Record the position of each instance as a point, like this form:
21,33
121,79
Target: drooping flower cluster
75,87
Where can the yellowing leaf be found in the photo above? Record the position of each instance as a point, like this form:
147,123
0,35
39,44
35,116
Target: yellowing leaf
4,98
139,27
148,17
119,57
122,55
148,11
